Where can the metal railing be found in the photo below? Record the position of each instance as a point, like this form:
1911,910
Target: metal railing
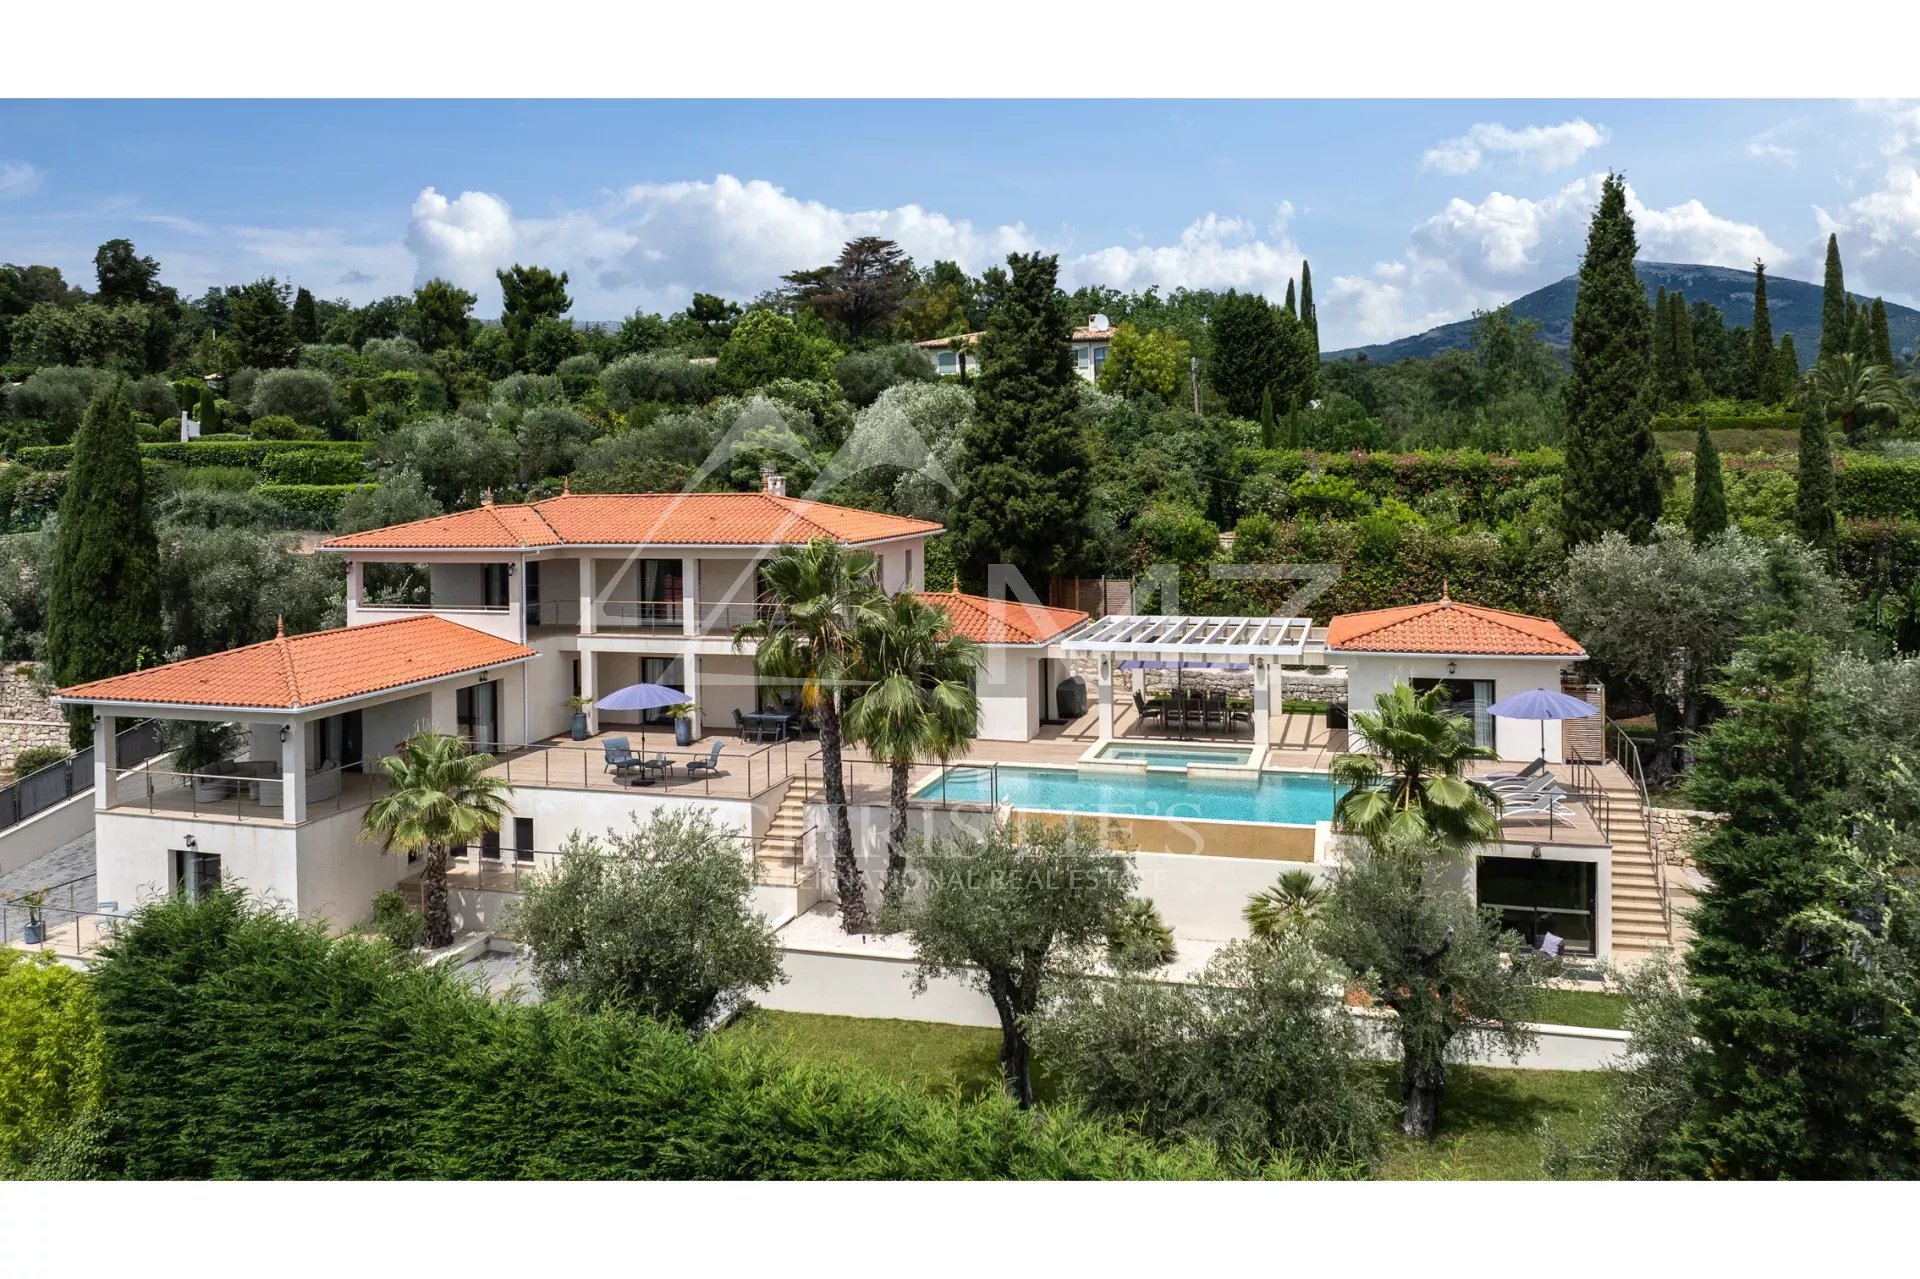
745,770
71,923
710,617
506,870
1625,751
959,784
62,780
254,796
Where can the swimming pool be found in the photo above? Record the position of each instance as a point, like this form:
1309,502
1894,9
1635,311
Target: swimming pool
1174,755
1281,798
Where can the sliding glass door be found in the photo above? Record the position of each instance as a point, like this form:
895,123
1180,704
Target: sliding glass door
1468,697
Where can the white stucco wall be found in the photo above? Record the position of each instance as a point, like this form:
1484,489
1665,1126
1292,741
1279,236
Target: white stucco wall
1010,693
132,862
557,814
1369,675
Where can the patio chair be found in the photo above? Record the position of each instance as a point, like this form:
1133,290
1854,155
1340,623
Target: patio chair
1145,711
709,766
1545,784
1526,774
1547,804
748,732
1214,710
620,759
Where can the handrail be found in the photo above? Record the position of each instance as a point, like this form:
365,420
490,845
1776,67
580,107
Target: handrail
1625,752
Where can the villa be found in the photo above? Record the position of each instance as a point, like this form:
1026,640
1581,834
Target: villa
1201,743
1087,346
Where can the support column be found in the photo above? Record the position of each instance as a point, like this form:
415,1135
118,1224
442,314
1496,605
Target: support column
1262,713
105,765
293,775
589,686
690,676
587,592
356,588
1106,695
690,618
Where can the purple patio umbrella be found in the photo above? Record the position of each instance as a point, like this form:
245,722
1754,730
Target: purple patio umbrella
642,697
1542,704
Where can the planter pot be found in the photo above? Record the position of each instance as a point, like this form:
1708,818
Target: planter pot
36,933
683,732
579,726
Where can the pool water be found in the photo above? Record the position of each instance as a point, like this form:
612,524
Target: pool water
1174,756
1283,798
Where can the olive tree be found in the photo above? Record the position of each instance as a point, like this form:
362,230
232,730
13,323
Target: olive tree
1453,979
659,919
1010,912
456,459
305,395
1257,1053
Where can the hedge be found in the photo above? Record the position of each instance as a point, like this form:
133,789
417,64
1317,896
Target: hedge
1778,441
313,466
52,1055
243,1044
247,453
27,497
1690,422
322,501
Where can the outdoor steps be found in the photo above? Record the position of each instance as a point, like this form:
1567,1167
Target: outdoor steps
780,851
1638,907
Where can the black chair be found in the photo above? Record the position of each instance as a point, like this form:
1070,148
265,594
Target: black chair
1145,711
748,732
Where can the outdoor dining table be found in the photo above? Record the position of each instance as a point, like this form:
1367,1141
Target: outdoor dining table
780,721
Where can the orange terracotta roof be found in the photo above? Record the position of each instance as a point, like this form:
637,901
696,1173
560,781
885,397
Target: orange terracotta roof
291,672
971,339
639,519
1084,334
992,621
1446,626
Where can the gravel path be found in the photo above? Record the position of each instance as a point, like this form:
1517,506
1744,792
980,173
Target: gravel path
69,862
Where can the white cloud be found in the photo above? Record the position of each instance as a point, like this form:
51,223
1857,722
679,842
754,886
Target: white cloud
1543,147
1213,252
18,179
1763,148
1474,255
461,240
320,257
174,222
1880,233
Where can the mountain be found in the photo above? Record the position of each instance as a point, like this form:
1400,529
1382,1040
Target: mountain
1794,304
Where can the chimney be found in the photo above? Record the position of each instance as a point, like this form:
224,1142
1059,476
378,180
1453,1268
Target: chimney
772,483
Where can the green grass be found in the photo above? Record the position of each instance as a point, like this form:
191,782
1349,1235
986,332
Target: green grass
1581,1008
1490,1126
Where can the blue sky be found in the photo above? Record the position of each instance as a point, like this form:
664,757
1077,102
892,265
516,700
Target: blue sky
1412,213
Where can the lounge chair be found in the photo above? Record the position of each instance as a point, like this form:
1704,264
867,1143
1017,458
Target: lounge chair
710,765
621,761
1526,774
1544,784
1546,804
1146,711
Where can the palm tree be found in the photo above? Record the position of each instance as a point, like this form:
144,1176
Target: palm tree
1292,902
1414,783
442,799
824,592
1846,387
918,704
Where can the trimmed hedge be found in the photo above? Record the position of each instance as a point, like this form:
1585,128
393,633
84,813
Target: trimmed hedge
322,501
27,497
1781,441
246,1044
313,466
1690,422
247,453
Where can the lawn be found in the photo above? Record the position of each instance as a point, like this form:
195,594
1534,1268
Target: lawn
1490,1128
1581,1008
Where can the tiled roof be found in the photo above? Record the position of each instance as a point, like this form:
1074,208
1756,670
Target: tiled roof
290,672
1084,334
638,519
992,621
1445,626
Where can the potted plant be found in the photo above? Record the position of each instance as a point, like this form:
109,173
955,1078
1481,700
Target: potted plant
36,928
579,705
682,723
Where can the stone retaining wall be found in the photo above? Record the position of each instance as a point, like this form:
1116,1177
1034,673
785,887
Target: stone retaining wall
1676,829
27,718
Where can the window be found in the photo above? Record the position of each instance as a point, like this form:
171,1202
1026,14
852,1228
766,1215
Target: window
1469,697
1538,897
948,362
1099,359
195,874
908,584
493,585
474,712
576,677
490,846
523,839
1079,355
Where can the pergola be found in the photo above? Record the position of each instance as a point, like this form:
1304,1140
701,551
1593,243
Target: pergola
1260,642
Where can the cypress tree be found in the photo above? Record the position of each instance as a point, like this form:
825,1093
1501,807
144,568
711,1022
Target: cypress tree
1880,338
1293,308
1613,465
1662,345
1766,375
1269,428
1859,333
306,321
1308,315
1686,369
1813,500
103,595
1786,366
1833,305
1026,470
1709,516
1248,350
209,412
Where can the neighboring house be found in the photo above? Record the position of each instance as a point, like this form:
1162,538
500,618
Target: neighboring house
955,355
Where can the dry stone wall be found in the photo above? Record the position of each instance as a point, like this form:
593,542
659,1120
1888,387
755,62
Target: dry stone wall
27,718
1676,829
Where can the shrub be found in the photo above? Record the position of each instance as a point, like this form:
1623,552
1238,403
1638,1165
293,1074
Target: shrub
663,376
250,1045
276,426
305,395
28,498
321,501
395,922
863,375
313,466
1140,938
32,759
52,1055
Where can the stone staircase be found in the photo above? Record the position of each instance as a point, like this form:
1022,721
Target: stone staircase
1639,909
780,854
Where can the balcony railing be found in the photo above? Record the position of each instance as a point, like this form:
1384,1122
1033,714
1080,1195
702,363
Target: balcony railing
247,797
711,617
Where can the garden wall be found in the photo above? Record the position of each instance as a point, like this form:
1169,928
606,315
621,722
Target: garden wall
27,718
